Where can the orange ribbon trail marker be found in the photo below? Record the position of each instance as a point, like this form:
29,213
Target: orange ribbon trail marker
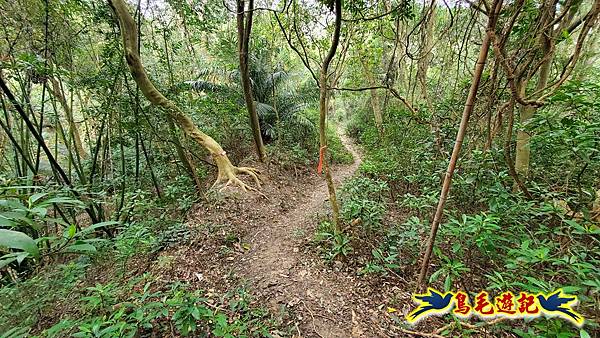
321,157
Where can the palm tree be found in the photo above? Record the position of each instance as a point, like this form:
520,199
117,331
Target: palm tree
279,101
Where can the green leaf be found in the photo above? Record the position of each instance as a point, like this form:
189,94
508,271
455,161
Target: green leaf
93,227
21,256
570,289
221,319
62,200
72,230
5,222
39,211
81,248
448,283
5,261
18,240
583,334
12,204
196,313
19,215
16,332
434,276
33,198
17,187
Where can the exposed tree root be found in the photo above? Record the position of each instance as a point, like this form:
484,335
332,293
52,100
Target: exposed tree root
253,172
227,176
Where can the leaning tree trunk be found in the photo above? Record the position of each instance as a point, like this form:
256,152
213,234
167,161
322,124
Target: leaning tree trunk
459,139
244,27
323,104
227,172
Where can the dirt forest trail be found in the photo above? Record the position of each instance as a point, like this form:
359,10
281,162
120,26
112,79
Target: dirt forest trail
278,270
265,245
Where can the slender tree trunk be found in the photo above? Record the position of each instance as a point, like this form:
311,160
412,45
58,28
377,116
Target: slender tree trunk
394,68
2,149
523,152
18,151
183,156
244,27
58,93
60,174
469,104
423,68
60,131
227,172
71,139
423,63
323,98
491,102
507,149
374,97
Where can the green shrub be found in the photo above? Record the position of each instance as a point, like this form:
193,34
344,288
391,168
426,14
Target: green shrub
362,198
31,228
133,308
398,249
333,244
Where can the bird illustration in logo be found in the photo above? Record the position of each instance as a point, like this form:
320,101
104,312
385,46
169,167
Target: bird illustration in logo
429,303
559,304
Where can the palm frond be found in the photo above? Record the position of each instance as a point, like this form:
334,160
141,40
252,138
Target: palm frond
218,74
304,122
278,78
264,110
206,86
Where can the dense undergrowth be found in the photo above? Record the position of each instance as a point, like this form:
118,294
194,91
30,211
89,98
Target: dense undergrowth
58,281
492,238
123,307
84,285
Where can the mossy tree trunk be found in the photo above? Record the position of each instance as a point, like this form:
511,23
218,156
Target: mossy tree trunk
523,149
374,97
